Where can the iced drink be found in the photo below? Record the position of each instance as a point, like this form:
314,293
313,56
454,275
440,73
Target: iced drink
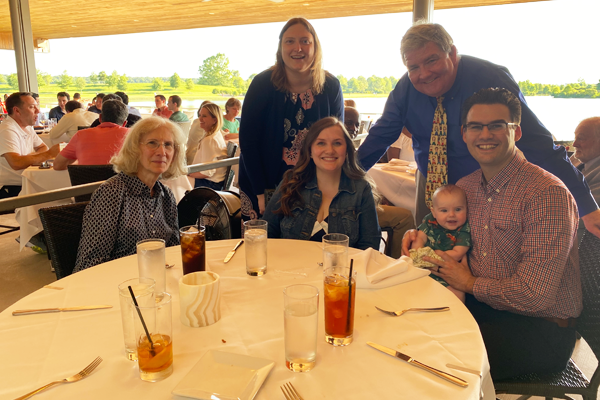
335,250
143,289
151,263
193,249
301,306
339,320
255,241
155,362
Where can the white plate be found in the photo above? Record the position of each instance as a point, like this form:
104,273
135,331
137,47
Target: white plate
224,376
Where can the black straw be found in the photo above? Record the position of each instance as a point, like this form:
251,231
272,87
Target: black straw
137,308
349,295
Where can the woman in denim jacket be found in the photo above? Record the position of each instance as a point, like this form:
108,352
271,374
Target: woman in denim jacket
326,192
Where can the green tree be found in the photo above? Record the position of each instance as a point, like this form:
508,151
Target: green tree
343,83
48,79
240,84
158,84
123,83
64,80
2,78
40,77
189,84
215,71
13,81
80,83
93,78
102,76
112,80
175,81
376,84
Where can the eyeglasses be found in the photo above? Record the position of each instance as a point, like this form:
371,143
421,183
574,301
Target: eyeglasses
155,144
494,127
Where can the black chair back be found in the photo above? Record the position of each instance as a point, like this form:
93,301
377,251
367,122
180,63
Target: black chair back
82,174
229,173
62,229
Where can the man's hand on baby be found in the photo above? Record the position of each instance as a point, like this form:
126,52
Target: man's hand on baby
457,274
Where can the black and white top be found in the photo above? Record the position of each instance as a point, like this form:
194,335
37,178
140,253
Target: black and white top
121,213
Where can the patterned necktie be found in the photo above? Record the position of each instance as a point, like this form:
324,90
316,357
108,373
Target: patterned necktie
437,167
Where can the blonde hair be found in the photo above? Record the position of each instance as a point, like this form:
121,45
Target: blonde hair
215,111
128,158
279,76
422,33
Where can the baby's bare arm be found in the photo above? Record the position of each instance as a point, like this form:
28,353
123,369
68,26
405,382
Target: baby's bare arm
420,241
458,252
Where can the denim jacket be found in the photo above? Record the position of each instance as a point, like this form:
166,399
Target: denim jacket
352,212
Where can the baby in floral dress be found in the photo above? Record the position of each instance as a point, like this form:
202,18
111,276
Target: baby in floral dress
445,228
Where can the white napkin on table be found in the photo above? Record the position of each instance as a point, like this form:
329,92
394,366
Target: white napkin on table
375,270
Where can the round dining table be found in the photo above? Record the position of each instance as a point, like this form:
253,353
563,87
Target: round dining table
40,348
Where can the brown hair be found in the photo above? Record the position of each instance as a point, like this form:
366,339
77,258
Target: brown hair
279,76
305,170
232,102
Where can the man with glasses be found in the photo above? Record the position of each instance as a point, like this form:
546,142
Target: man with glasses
427,102
522,274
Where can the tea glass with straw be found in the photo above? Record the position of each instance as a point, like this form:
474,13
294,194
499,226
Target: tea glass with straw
154,339
339,293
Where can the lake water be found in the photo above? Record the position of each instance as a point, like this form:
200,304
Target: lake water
560,116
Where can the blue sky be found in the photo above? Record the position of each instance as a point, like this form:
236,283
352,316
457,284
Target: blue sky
548,42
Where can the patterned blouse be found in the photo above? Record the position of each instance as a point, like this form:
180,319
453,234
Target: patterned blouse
122,212
299,116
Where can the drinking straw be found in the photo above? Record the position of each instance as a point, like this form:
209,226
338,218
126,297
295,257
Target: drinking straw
349,295
137,308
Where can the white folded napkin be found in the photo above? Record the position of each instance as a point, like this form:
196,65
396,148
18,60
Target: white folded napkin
375,270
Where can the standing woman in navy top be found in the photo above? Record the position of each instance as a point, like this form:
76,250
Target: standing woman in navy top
279,108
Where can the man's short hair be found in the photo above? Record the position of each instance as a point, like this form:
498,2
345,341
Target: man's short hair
112,96
114,111
76,96
493,96
422,33
15,100
100,96
161,97
176,99
72,105
123,97
35,95
63,94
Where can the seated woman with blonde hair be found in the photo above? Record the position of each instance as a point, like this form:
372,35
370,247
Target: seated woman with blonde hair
211,148
134,205
326,192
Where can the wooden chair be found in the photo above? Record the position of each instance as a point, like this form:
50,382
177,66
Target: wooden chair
571,380
229,174
62,229
82,174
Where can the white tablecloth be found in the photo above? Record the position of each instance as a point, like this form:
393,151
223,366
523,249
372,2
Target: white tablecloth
398,187
35,180
37,349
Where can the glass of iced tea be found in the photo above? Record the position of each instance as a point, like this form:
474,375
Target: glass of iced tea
339,293
154,343
193,248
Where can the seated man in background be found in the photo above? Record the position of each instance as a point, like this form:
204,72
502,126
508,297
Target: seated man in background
97,106
161,107
587,150
402,148
40,116
174,104
96,146
132,110
20,147
131,119
68,125
59,111
522,276
399,219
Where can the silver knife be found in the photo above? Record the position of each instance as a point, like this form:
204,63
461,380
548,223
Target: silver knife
410,360
53,310
232,252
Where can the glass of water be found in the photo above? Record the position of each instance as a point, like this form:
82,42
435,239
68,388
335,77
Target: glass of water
335,250
255,242
143,289
300,319
151,263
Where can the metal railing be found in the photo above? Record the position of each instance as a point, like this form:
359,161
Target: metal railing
65,193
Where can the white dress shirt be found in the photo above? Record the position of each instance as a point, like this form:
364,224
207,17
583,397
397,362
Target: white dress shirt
66,128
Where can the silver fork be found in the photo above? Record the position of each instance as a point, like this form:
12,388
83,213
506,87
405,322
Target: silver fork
399,313
79,376
289,392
